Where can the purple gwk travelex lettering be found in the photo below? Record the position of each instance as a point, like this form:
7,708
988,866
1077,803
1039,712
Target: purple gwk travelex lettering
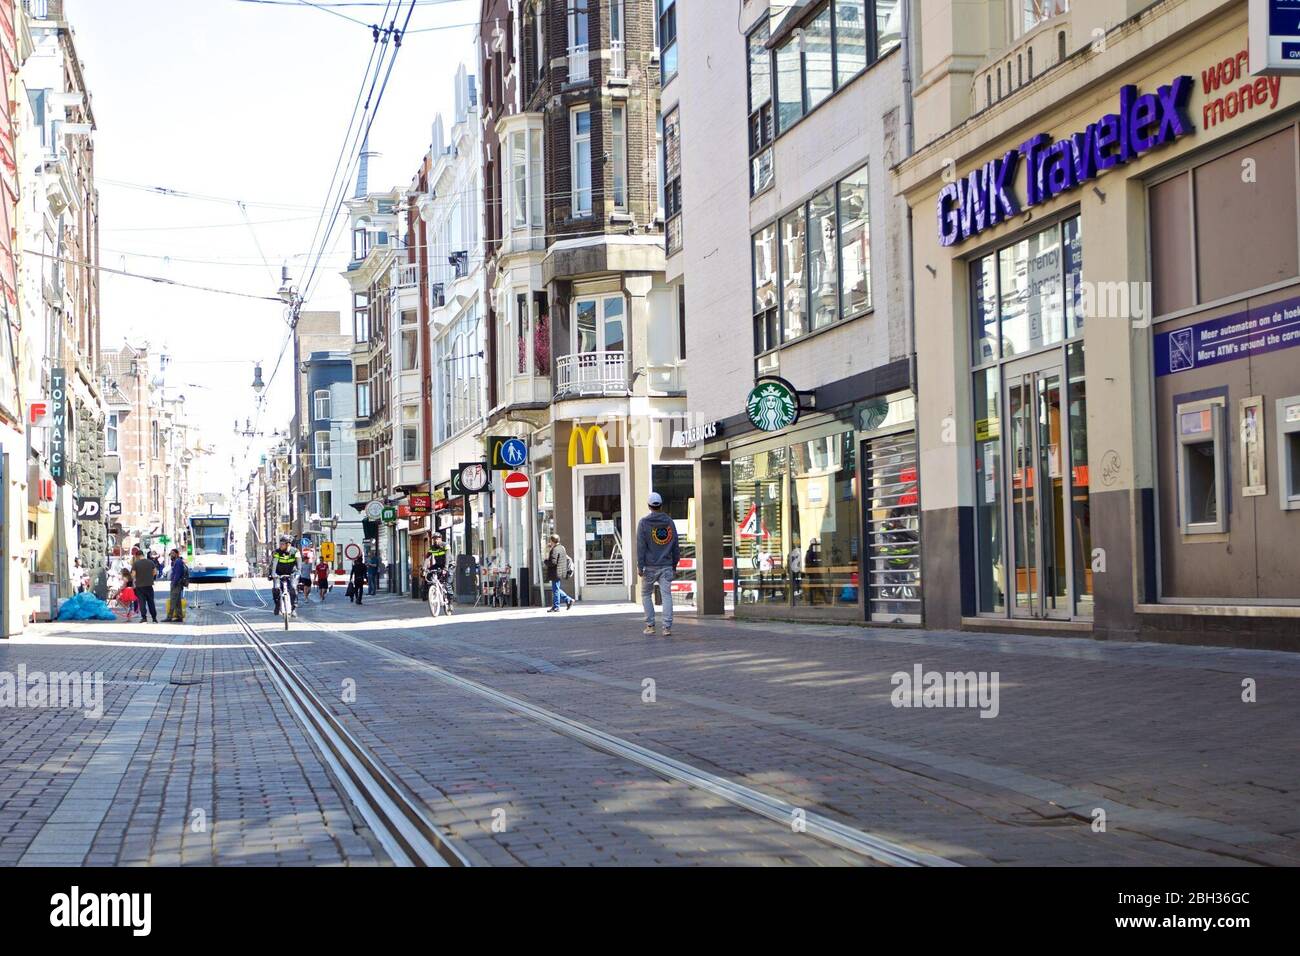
1143,122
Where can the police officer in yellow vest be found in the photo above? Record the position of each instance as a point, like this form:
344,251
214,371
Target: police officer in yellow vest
284,563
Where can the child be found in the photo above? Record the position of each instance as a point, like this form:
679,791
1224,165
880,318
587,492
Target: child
126,595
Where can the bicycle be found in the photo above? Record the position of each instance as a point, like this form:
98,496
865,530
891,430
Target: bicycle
441,600
285,590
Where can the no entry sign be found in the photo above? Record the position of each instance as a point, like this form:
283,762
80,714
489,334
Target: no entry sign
516,484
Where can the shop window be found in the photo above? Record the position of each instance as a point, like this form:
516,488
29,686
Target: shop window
990,569
758,499
822,555
1201,468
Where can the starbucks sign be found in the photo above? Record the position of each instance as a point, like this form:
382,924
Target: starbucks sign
773,404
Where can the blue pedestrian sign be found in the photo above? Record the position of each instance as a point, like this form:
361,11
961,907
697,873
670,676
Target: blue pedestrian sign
306,541
506,453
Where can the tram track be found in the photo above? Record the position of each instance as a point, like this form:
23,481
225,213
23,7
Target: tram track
862,843
395,815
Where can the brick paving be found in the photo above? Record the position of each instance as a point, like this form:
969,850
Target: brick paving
1157,736
195,760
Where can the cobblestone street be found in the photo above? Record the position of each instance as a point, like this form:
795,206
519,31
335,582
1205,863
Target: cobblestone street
488,716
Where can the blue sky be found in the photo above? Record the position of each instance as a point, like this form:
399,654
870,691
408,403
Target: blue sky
247,101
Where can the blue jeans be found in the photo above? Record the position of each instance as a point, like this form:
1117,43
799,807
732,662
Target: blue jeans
558,595
664,577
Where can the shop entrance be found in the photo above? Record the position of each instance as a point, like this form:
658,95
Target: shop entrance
1038,488
598,535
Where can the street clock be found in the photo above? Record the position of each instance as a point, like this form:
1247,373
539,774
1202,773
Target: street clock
473,477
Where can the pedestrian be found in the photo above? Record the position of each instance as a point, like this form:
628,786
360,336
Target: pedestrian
357,580
558,566
179,578
144,571
657,553
126,596
157,564
322,577
372,571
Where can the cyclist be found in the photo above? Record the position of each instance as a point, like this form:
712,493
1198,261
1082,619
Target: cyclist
284,564
435,565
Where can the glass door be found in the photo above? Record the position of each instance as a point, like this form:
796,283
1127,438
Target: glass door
1038,487
599,542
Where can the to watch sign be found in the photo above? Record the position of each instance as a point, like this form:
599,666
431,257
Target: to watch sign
58,426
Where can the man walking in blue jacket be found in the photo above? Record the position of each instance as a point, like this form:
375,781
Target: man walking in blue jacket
657,554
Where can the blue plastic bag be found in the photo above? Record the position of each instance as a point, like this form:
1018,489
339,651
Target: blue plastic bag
85,607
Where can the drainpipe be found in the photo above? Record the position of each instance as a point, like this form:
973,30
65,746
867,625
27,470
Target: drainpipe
909,146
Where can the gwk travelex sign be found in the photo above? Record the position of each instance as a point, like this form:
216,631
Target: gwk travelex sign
987,196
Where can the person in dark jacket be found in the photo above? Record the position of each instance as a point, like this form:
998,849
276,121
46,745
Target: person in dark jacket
358,574
178,577
143,571
657,553
372,571
557,569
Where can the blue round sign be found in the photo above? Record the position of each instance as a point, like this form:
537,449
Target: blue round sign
306,541
514,452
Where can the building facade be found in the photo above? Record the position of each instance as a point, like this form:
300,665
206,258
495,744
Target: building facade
1104,200
454,294
804,503
585,361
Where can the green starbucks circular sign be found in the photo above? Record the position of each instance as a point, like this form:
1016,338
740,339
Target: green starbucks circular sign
773,404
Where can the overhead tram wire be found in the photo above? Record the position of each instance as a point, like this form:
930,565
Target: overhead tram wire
328,208
186,194
159,279
331,205
392,60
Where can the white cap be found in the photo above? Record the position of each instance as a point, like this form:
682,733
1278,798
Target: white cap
654,501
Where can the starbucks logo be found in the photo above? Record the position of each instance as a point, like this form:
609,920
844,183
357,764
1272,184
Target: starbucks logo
773,404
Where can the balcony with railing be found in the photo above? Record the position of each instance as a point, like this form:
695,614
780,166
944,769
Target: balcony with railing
591,373
405,275
579,56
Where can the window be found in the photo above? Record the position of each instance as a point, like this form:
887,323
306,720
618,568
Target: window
155,440
365,468
818,58
110,434
1034,12
410,433
360,318
580,158
681,323
321,401
794,287
826,51
855,244
766,313
521,333
541,335
410,350
519,178
363,390
598,324
789,89
110,487
322,449
824,268
324,498
761,129
618,122
667,39
673,181
459,376
823,259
